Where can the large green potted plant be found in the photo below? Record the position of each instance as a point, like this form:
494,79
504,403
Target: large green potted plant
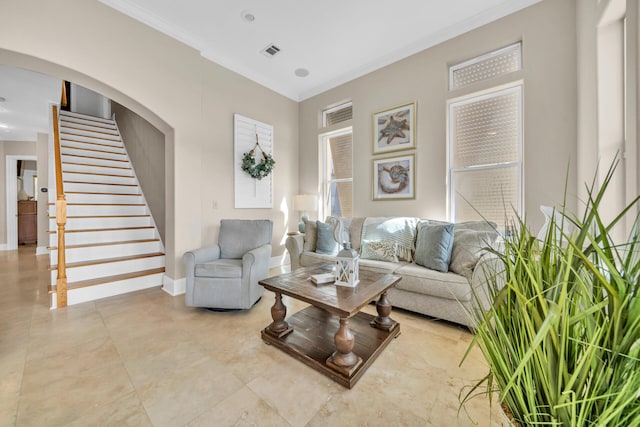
562,336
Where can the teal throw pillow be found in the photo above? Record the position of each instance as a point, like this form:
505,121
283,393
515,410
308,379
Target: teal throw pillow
434,245
325,243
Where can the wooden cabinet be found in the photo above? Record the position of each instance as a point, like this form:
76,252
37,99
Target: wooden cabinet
27,222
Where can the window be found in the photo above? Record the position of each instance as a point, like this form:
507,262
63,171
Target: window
337,170
485,147
336,162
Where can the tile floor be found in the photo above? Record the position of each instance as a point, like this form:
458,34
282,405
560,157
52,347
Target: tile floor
145,359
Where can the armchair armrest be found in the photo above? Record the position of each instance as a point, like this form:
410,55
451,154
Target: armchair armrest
198,256
295,245
255,267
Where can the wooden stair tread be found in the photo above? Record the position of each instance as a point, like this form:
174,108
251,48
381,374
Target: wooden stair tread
91,245
108,279
92,230
67,126
101,183
102,193
83,116
69,147
108,260
96,166
99,174
94,157
89,136
103,216
106,126
90,142
101,204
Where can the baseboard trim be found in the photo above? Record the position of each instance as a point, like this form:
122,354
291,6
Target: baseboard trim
174,287
3,247
42,250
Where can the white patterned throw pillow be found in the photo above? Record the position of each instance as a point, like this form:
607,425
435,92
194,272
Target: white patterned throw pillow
380,251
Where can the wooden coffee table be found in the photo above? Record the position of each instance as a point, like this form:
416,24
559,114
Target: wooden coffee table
331,335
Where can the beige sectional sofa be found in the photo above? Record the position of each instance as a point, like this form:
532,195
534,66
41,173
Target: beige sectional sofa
441,294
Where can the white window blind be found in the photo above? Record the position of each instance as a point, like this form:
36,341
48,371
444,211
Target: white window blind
484,67
338,114
485,156
338,173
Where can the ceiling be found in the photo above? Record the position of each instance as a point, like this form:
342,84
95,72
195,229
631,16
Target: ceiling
27,96
335,40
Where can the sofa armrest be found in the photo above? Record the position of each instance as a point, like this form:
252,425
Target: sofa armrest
294,245
488,277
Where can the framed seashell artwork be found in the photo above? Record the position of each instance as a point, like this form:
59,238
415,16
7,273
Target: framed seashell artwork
394,178
394,129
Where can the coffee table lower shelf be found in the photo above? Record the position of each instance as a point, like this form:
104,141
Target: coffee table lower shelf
312,341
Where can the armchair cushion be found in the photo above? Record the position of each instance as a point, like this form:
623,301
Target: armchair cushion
238,237
224,268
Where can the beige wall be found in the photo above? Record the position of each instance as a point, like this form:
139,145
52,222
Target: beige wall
10,148
548,33
146,148
190,99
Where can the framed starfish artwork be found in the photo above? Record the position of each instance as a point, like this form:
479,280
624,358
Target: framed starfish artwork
394,129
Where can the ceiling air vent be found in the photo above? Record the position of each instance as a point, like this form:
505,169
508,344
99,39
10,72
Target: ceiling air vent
271,50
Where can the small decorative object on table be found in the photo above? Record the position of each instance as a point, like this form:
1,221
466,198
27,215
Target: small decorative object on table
347,264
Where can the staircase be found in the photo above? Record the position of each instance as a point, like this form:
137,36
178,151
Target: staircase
112,244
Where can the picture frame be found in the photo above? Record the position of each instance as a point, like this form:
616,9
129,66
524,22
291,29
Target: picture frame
394,178
394,129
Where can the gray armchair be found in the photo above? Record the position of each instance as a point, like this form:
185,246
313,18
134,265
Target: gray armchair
226,275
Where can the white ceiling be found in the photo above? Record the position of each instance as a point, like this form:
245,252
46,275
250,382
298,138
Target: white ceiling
25,110
336,40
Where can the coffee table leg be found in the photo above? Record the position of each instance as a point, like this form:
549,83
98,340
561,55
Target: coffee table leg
382,320
344,359
279,327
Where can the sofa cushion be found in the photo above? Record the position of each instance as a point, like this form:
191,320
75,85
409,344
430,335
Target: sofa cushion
376,266
468,247
397,229
310,258
310,235
425,281
381,251
433,246
326,243
222,268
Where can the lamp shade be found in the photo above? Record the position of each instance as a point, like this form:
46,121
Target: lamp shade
305,203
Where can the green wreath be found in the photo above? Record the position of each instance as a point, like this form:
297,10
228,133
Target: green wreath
260,170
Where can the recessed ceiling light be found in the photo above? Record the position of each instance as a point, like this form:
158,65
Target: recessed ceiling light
301,72
247,16
2,99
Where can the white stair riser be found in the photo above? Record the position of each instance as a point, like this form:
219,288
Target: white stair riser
104,199
96,169
96,210
92,134
81,238
90,146
65,118
76,274
97,222
90,253
64,114
85,177
90,293
72,137
91,161
70,126
67,151
74,187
